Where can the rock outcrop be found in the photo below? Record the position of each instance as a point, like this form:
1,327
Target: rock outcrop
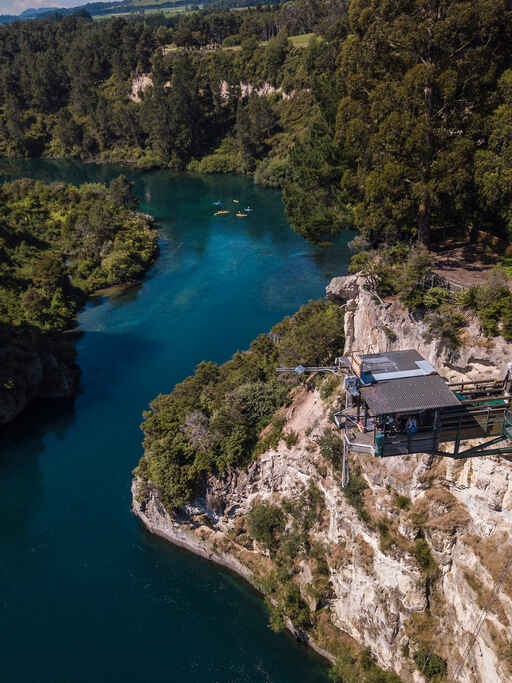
412,571
372,326
27,374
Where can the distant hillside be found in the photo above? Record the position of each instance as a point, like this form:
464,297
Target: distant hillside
39,11
98,9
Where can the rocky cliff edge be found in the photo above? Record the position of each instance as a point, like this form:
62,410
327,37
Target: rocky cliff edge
412,570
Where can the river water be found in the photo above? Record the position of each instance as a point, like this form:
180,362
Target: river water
86,594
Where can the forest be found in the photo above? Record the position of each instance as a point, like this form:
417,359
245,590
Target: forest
393,119
59,243
396,117
213,421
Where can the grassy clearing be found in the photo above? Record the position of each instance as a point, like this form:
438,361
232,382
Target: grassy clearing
301,41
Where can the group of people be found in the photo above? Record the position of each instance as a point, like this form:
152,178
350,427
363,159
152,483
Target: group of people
399,424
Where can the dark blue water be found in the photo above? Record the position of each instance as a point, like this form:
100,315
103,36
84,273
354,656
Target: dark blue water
86,593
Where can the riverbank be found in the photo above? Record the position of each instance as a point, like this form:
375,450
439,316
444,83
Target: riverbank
80,239
396,563
157,521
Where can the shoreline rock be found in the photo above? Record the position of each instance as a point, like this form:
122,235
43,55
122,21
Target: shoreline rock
388,592
163,525
35,374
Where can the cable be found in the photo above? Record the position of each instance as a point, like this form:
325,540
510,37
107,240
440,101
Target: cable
481,618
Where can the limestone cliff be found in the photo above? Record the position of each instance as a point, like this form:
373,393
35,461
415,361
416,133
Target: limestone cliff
410,569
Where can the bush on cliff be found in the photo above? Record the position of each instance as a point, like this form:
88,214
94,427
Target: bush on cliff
350,667
430,664
213,420
266,522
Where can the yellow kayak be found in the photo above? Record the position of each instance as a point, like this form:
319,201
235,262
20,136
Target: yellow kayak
220,213
235,201
241,215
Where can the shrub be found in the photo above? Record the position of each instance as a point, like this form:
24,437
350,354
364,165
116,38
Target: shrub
232,40
329,386
492,302
403,502
446,324
359,262
331,446
271,172
352,668
291,438
353,493
218,163
429,664
265,521
424,557
415,279
386,540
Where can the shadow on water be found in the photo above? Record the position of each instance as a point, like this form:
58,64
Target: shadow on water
97,598
22,442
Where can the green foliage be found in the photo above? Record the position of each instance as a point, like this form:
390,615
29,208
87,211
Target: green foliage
283,599
416,149
430,665
271,172
331,446
58,243
350,667
316,207
291,438
353,493
329,386
403,74
265,522
445,323
416,279
386,539
403,502
359,262
313,336
492,302
424,557
213,420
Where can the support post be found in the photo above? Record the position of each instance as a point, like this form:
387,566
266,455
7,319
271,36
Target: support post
457,438
436,430
345,474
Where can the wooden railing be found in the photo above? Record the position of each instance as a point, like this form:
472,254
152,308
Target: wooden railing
472,384
477,420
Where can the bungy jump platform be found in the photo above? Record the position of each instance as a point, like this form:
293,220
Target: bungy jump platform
398,404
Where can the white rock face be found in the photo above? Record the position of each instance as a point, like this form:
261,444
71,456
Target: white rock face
371,327
381,597
247,89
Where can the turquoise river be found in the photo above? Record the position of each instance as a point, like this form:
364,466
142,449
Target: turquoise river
87,595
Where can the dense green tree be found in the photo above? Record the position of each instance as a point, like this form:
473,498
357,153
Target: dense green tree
317,207
416,78
494,164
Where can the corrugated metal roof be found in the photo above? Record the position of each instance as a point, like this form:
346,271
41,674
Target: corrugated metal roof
392,361
409,395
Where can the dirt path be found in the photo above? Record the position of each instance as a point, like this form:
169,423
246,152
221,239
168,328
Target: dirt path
464,264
